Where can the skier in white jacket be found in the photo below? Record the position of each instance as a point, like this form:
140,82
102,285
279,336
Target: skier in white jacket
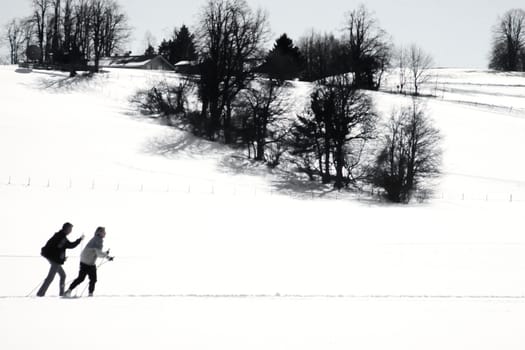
88,258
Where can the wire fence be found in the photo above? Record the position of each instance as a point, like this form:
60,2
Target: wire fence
442,93
187,185
211,187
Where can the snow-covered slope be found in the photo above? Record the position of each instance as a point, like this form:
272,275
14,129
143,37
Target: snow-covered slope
215,252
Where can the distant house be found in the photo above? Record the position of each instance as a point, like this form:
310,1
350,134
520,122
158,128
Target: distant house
136,62
187,67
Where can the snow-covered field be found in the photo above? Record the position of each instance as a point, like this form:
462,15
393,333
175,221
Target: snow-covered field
213,252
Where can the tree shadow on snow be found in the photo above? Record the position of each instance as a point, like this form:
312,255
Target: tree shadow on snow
65,83
292,183
23,70
180,144
177,144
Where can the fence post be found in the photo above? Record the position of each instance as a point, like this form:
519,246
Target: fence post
93,185
511,197
28,181
9,181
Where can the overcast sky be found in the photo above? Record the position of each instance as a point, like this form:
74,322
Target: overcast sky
455,32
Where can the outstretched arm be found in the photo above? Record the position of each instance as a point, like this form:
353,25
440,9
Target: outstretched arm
101,254
70,245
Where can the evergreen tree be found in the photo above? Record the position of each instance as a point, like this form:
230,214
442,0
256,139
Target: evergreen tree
150,52
284,61
181,47
184,46
166,50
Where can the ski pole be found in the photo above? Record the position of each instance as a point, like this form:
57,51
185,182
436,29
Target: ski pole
98,267
37,286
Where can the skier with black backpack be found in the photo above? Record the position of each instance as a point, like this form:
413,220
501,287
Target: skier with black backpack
55,252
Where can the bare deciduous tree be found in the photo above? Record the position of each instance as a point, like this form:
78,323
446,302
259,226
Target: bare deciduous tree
56,32
98,10
508,42
368,48
108,27
352,124
15,37
342,119
401,65
117,31
230,40
259,106
166,100
40,8
80,45
419,64
410,153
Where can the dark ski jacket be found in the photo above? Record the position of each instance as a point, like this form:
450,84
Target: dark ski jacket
55,248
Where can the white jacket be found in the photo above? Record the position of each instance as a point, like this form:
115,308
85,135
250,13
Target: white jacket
92,251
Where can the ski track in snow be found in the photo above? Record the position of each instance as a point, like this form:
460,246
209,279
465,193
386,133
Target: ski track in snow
291,296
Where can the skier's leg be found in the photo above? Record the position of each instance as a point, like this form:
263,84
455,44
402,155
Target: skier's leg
50,276
92,279
81,276
62,275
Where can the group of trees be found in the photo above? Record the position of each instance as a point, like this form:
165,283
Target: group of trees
413,67
364,49
242,93
17,33
331,141
69,31
242,87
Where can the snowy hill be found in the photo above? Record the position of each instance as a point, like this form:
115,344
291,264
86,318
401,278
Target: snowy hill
215,252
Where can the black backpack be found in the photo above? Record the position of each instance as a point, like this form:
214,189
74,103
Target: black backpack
51,245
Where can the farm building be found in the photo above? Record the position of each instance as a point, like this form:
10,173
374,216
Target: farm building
136,62
187,67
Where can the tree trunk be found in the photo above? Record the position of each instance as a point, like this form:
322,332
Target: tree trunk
339,164
227,127
326,174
